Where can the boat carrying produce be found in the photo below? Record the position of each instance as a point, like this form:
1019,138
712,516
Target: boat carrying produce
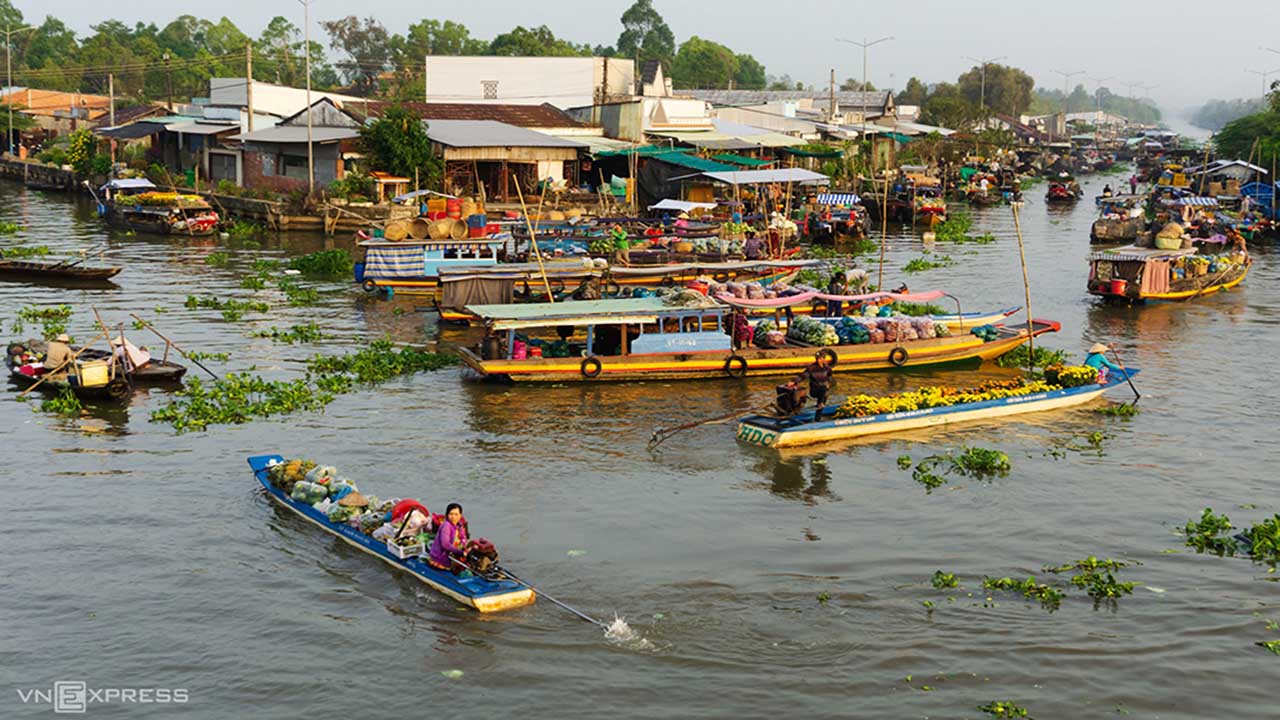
321,496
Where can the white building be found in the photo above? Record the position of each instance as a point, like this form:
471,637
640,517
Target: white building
229,99
564,82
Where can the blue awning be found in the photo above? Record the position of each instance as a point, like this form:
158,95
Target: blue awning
838,199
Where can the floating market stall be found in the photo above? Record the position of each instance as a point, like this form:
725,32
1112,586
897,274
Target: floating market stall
1120,219
136,204
686,336
338,508
927,407
1137,274
413,266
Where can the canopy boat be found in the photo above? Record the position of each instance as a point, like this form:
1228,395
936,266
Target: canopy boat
91,379
1120,219
1137,274
685,337
136,204
481,593
413,266
509,283
153,372
805,429
36,271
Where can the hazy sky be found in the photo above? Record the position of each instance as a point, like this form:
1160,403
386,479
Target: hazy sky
1192,50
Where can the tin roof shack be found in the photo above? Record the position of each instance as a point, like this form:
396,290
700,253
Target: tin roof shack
275,158
54,110
488,153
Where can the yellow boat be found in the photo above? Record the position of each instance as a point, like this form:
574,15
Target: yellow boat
648,339
1135,274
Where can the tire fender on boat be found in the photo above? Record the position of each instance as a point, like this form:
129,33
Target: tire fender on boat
369,286
721,277
735,366
118,389
613,287
591,367
898,356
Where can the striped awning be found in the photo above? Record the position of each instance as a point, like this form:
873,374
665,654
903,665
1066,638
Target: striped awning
838,199
395,261
1199,201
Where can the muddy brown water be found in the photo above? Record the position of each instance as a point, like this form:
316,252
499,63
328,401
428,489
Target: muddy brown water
136,557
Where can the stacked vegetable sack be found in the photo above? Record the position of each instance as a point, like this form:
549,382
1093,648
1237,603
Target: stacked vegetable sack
323,489
854,330
946,396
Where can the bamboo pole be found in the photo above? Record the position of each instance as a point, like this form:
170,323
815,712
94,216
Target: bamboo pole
1026,287
70,361
174,345
884,228
1204,175
103,325
533,240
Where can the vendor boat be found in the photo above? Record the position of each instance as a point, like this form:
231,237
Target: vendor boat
929,209
481,593
413,266
136,204
1063,191
685,338
1120,220
806,429
90,379
1135,274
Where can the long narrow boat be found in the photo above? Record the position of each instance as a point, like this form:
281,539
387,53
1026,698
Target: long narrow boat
804,429
35,271
650,339
475,592
90,380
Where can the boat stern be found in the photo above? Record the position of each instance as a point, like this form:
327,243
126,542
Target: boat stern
752,431
499,602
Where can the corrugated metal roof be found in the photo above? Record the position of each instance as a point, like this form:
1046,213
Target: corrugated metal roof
490,133
751,177
526,116
692,162
597,145
874,100
296,134
201,128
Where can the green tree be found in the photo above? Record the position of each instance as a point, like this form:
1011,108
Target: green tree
948,107
52,46
1008,89
851,85
1236,139
703,64
367,46
645,35
750,75
397,143
915,93
539,41
432,37
10,16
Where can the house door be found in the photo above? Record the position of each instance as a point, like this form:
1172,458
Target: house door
222,167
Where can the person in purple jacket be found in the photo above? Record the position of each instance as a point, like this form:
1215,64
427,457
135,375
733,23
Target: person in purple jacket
450,541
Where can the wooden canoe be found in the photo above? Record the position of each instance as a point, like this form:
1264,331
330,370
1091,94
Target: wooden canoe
474,592
34,271
804,429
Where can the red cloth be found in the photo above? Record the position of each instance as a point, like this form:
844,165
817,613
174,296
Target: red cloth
404,507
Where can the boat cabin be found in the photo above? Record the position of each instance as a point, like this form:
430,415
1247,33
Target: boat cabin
601,328
416,264
1132,273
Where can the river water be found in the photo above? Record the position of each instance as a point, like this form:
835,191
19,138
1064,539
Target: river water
136,557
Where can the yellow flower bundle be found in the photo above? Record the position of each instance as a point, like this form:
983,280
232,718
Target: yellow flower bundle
938,396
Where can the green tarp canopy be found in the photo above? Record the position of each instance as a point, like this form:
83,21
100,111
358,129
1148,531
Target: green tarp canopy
742,160
641,150
693,162
814,152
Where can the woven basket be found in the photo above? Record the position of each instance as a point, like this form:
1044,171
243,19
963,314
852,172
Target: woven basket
459,230
396,231
440,229
420,229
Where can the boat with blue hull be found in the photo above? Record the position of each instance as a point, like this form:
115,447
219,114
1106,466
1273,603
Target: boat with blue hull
804,429
477,592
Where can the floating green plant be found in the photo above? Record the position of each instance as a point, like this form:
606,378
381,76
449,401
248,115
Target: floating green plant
923,263
1004,709
19,252
325,264
306,333
943,580
1097,577
217,259
64,403
1050,598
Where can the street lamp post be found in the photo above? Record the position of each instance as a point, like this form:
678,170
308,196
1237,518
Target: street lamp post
982,96
864,45
306,44
1264,74
8,64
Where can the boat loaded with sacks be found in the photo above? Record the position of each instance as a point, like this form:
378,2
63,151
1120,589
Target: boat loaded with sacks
685,336
862,415
336,506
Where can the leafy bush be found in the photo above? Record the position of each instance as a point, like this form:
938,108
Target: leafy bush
353,185
81,149
101,165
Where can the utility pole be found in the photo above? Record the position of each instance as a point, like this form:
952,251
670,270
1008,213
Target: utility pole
982,65
8,64
168,82
864,45
831,113
306,35
248,84
425,59
111,97
1066,85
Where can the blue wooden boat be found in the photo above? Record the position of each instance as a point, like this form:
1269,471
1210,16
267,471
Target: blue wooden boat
804,429
476,592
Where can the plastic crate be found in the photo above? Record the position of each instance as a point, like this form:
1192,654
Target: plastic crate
406,552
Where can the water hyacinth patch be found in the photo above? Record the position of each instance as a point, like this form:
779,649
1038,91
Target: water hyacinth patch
232,310
975,462
1049,598
379,362
306,333
923,263
1004,709
943,580
53,319
1097,577
217,259
64,403
326,264
24,251
1211,534
1021,357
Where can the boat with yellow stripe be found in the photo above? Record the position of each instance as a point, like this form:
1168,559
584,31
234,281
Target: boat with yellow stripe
1134,274
654,339
480,593
806,429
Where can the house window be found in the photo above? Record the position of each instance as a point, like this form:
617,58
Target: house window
294,167
490,89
